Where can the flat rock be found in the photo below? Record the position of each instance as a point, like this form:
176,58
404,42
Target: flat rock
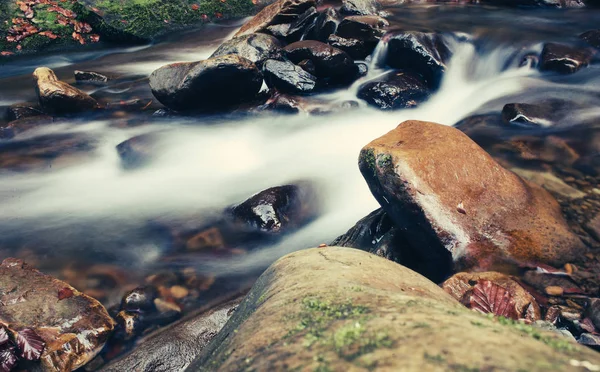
213,84
342,309
550,182
592,37
256,48
452,198
286,77
90,76
564,59
73,326
59,98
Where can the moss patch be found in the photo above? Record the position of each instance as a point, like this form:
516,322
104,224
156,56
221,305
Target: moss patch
557,343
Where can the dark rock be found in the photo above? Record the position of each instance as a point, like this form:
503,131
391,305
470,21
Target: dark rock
276,210
329,62
423,53
325,25
399,90
140,299
293,31
446,204
90,76
356,49
137,151
210,85
359,7
21,125
366,28
73,325
363,69
22,111
286,104
536,3
174,347
59,98
129,325
288,78
593,311
281,12
530,60
592,38
543,114
593,228
254,47
308,66
563,58
590,339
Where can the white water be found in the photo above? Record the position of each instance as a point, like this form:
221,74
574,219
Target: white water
202,167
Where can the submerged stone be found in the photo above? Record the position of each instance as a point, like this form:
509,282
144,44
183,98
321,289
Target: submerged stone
59,98
564,59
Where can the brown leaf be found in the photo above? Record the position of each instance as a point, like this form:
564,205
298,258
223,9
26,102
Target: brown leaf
488,297
78,37
5,54
95,38
65,293
30,344
195,7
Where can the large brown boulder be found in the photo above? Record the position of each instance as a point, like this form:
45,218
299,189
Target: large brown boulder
213,84
450,197
57,97
341,309
73,326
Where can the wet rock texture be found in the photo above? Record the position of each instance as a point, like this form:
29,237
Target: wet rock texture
334,303
216,83
397,90
458,200
329,62
564,59
288,78
59,98
73,326
256,48
282,12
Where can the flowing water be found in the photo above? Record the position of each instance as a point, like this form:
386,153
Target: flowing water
92,212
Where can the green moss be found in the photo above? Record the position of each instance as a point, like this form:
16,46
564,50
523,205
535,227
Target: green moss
555,342
367,157
435,359
384,160
352,341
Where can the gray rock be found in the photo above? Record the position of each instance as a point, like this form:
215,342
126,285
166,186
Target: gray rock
288,78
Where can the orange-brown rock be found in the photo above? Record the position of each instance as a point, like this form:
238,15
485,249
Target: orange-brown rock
282,11
449,195
510,299
58,97
73,326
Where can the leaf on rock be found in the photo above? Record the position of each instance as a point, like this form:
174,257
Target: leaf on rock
65,292
8,359
30,344
488,297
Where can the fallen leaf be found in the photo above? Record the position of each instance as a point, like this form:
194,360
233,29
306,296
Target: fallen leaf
65,293
195,7
30,344
488,297
95,38
4,54
78,37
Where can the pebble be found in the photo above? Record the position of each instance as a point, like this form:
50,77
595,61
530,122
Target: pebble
554,291
179,292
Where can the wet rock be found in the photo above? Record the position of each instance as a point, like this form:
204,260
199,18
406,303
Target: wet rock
286,104
254,47
325,302
593,228
140,299
282,12
550,182
90,76
44,151
329,62
308,66
325,25
73,326
356,49
129,325
174,347
22,111
592,38
276,210
363,69
288,78
359,7
366,28
537,3
24,124
458,201
590,339
495,293
593,311
398,90
59,98
543,114
213,84
137,151
564,59
423,53
293,31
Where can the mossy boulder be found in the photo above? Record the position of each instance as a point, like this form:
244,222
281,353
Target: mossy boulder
340,309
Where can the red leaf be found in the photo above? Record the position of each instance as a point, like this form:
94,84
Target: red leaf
65,292
19,47
62,21
78,37
5,54
488,297
8,359
95,38
30,344
195,7
3,336
218,15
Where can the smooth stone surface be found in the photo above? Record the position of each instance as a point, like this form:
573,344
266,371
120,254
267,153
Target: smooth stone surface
453,199
397,90
256,48
564,59
367,28
280,12
343,309
210,85
89,76
59,98
288,78
329,62
356,49
325,25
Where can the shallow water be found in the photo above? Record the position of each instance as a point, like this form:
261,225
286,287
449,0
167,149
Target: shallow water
94,212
